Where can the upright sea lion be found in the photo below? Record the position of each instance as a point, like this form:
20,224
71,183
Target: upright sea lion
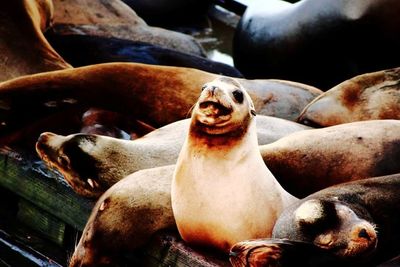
113,18
23,48
222,192
91,163
308,161
125,217
317,43
83,50
135,89
357,222
369,96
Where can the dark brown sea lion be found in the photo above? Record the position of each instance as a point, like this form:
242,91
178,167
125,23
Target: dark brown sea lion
222,192
317,43
156,95
125,217
308,161
113,18
23,48
369,96
105,160
83,50
356,221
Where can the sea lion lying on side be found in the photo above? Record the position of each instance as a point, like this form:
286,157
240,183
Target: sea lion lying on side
115,19
369,96
92,163
125,217
356,222
134,89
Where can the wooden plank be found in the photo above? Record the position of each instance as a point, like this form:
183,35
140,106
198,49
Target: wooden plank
31,181
42,222
14,253
44,189
167,249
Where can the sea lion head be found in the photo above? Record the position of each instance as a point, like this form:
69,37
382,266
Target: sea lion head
73,156
224,108
336,227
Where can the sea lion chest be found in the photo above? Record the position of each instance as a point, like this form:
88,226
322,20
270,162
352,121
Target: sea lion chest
220,197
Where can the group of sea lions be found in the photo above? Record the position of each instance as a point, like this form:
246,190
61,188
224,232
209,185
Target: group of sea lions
218,178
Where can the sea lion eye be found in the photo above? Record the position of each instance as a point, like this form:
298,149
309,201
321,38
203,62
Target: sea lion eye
204,87
238,95
63,160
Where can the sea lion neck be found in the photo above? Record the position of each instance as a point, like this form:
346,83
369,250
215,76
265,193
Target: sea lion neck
199,137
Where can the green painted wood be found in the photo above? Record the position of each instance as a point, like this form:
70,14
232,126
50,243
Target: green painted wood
45,192
43,222
30,180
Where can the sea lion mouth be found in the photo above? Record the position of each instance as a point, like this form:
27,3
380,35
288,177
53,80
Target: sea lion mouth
214,108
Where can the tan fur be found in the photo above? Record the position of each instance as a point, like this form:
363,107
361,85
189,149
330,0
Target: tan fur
23,47
156,95
125,217
307,161
369,96
117,158
222,192
113,18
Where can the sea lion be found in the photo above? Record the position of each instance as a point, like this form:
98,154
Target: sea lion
369,96
114,124
135,89
125,217
23,48
91,163
356,221
304,41
83,50
220,167
308,161
114,18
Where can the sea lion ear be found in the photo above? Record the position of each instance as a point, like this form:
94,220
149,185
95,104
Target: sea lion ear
253,112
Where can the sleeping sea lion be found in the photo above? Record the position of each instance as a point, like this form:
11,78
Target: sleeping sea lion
91,163
83,50
113,18
357,222
23,48
222,192
317,43
308,161
135,89
369,96
125,217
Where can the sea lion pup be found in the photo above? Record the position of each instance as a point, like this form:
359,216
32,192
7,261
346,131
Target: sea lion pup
116,19
92,163
222,192
308,161
135,89
125,217
369,96
355,221
23,48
